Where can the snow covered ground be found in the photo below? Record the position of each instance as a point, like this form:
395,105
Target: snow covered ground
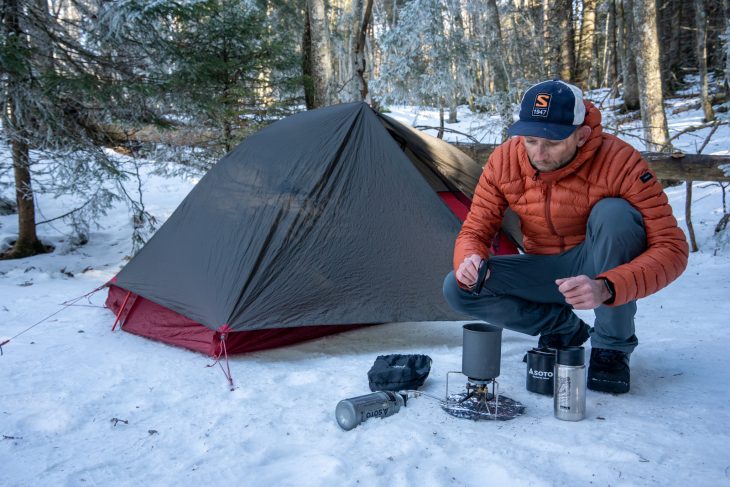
80,405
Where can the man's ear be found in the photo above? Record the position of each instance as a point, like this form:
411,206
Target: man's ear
582,133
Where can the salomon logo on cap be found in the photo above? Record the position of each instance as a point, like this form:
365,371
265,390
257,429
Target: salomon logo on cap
551,110
541,108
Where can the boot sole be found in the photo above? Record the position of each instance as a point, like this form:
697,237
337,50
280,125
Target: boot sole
610,386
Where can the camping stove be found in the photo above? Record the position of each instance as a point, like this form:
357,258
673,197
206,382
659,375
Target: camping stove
480,364
478,403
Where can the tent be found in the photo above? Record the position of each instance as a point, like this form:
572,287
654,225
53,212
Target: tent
323,221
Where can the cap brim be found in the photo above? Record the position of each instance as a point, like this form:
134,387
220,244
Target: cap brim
552,131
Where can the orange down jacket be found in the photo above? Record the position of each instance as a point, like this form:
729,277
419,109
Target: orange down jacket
554,206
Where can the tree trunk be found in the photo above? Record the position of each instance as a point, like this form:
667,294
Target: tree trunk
307,79
550,39
628,60
45,49
567,41
701,21
321,56
453,113
440,134
671,43
496,57
586,45
651,97
359,64
474,23
27,243
688,217
558,39
612,48
726,15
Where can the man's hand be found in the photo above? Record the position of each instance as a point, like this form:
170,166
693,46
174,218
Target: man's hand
468,271
582,292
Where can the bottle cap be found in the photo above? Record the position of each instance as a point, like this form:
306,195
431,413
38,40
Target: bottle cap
574,356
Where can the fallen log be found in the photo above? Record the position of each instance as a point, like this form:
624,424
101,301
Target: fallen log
677,166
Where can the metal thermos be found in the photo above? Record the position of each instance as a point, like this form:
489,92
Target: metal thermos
381,404
569,397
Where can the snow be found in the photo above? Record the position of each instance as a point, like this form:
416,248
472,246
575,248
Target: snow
81,405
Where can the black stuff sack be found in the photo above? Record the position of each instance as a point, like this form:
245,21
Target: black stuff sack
399,372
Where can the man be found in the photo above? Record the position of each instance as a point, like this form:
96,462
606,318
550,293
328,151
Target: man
597,227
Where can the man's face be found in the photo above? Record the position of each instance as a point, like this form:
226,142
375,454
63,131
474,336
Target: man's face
548,155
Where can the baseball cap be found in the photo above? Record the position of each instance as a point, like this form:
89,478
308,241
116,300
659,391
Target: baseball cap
551,110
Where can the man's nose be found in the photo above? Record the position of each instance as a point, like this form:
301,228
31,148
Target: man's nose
540,152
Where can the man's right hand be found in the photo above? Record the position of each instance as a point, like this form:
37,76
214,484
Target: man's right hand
468,271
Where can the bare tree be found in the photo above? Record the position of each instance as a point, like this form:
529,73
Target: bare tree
307,79
558,39
651,96
362,17
625,26
457,34
701,30
320,55
670,25
567,40
726,39
586,43
499,70
610,76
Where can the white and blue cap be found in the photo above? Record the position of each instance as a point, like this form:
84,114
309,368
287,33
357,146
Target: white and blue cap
551,110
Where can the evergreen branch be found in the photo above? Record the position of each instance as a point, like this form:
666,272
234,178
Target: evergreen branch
68,213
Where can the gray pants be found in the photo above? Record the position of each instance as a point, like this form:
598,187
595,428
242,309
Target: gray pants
521,293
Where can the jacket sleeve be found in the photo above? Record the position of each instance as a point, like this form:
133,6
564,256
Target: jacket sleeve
665,257
485,216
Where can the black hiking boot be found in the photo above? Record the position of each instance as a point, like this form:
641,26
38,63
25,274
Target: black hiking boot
554,340
575,339
609,371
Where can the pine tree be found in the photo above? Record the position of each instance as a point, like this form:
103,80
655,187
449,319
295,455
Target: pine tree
214,60
59,97
425,60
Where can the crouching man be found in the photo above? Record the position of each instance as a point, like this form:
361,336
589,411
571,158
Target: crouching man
598,234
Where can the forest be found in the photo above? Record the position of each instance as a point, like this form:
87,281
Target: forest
82,81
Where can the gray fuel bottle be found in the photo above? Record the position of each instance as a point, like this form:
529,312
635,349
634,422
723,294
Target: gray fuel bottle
381,404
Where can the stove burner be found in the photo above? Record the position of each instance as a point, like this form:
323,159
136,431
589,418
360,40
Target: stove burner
477,403
479,390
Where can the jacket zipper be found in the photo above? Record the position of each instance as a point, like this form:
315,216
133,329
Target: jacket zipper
548,218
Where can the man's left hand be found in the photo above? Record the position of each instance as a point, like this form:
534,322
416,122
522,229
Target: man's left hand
582,292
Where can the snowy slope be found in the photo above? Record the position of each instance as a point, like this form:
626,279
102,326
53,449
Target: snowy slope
80,405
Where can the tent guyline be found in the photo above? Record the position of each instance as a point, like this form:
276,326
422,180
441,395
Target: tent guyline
65,305
227,370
